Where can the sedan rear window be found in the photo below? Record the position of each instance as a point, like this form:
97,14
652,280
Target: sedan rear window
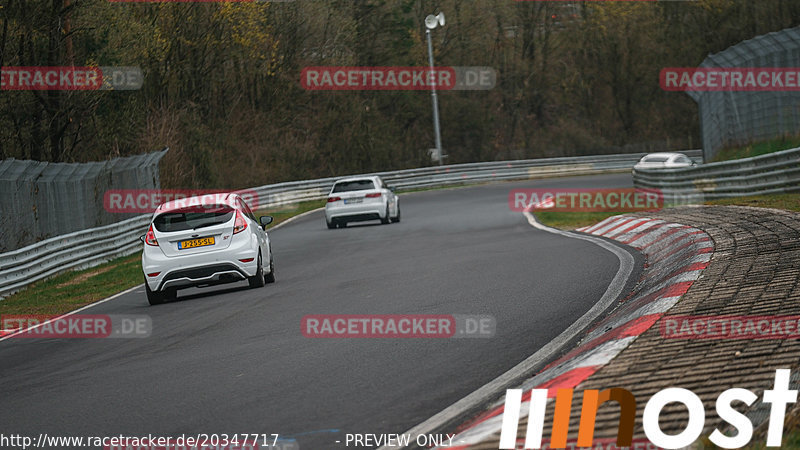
193,218
358,185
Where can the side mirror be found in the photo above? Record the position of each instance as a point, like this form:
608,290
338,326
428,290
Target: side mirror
265,220
141,238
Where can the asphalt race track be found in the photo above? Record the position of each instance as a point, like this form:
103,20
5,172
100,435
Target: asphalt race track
233,360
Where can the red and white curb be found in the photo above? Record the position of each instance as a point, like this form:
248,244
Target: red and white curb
675,257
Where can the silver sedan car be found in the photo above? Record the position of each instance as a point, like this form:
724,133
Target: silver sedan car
360,199
664,160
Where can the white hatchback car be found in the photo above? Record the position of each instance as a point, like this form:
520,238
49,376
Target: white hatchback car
359,199
204,241
664,161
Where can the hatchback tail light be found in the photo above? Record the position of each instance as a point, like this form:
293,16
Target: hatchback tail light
334,199
240,224
373,195
150,237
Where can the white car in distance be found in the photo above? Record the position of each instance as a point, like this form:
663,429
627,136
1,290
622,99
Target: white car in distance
664,161
360,199
203,241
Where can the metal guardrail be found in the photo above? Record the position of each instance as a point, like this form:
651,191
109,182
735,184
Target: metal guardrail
71,251
93,246
772,173
453,175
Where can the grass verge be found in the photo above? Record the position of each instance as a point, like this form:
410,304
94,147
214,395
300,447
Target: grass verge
760,148
71,290
571,220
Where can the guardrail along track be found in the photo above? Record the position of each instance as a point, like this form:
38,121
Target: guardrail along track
93,246
777,172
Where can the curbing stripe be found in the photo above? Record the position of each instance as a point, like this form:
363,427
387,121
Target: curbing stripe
639,230
590,229
627,226
610,226
616,225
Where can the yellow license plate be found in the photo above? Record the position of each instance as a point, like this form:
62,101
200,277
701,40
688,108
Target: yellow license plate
192,243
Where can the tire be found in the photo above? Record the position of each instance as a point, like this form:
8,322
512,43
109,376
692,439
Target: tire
153,297
331,225
270,277
397,219
388,218
257,280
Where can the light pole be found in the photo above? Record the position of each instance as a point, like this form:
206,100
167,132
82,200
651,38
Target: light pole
432,22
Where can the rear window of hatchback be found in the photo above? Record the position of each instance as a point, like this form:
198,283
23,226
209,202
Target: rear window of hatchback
193,218
357,185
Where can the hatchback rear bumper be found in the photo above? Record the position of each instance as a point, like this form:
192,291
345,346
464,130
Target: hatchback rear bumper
202,276
201,269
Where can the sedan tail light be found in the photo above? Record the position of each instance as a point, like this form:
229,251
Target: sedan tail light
240,224
334,199
373,195
150,237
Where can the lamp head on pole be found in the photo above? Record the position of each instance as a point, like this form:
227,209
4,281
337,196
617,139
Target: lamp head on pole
432,21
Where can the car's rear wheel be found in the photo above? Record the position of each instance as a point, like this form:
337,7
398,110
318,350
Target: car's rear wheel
397,218
387,218
257,280
331,225
270,277
153,297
